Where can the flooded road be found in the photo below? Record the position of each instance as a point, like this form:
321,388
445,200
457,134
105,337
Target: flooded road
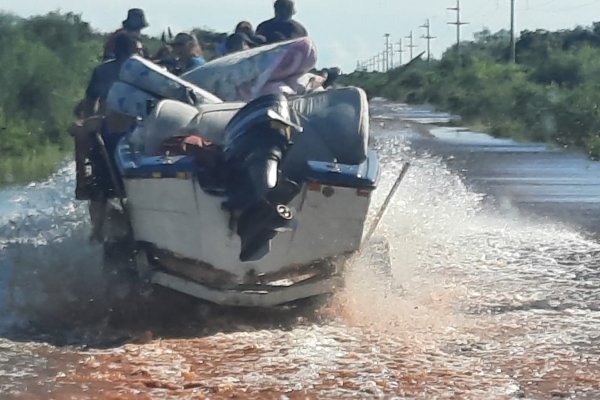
495,294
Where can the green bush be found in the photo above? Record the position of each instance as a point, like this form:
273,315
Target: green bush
551,95
594,147
46,62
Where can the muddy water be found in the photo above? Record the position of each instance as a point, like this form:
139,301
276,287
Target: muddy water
493,296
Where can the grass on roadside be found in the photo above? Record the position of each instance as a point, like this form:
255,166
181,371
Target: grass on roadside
32,167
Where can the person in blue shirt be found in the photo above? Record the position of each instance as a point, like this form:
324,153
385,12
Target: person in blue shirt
188,51
105,74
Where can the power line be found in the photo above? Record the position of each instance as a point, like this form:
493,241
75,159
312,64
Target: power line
545,4
400,51
513,45
458,24
427,26
573,7
387,52
411,46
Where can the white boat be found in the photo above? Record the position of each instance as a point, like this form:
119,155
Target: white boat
268,212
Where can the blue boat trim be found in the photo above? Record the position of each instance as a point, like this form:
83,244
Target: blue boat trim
134,166
363,176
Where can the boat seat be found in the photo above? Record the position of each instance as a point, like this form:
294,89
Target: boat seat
211,120
172,117
168,117
336,127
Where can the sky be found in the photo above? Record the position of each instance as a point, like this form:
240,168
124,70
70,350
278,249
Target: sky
345,31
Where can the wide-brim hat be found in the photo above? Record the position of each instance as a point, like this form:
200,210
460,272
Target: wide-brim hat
135,19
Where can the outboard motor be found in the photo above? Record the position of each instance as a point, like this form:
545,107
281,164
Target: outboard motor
256,140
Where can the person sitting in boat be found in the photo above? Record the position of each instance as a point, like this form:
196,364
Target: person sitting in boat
188,52
242,38
133,25
282,27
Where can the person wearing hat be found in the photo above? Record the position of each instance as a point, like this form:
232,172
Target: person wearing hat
188,51
282,27
132,25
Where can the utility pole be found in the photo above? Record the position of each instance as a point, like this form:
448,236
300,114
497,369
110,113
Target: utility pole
387,52
391,55
383,61
513,46
458,24
411,46
427,26
400,51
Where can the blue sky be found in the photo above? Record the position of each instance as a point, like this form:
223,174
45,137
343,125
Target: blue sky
344,30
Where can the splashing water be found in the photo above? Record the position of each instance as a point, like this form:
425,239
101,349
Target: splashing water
482,305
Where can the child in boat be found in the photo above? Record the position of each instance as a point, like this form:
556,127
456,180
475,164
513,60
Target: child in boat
188,51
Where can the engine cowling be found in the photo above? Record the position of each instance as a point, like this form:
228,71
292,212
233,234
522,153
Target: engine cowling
256,141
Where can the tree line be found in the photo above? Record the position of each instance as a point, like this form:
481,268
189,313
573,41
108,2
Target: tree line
552,93
46,62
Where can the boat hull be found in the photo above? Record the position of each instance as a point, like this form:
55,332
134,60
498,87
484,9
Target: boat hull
188,233
188,242
178,216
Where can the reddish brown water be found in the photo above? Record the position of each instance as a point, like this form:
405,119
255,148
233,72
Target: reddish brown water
482,305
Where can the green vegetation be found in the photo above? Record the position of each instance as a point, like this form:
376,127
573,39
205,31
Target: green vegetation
46,62
33,166
552,94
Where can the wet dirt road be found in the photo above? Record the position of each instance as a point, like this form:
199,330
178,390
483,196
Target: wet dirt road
488,300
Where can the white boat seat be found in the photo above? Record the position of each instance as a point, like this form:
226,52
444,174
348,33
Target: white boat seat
168,117
172,117
211,120
336,127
